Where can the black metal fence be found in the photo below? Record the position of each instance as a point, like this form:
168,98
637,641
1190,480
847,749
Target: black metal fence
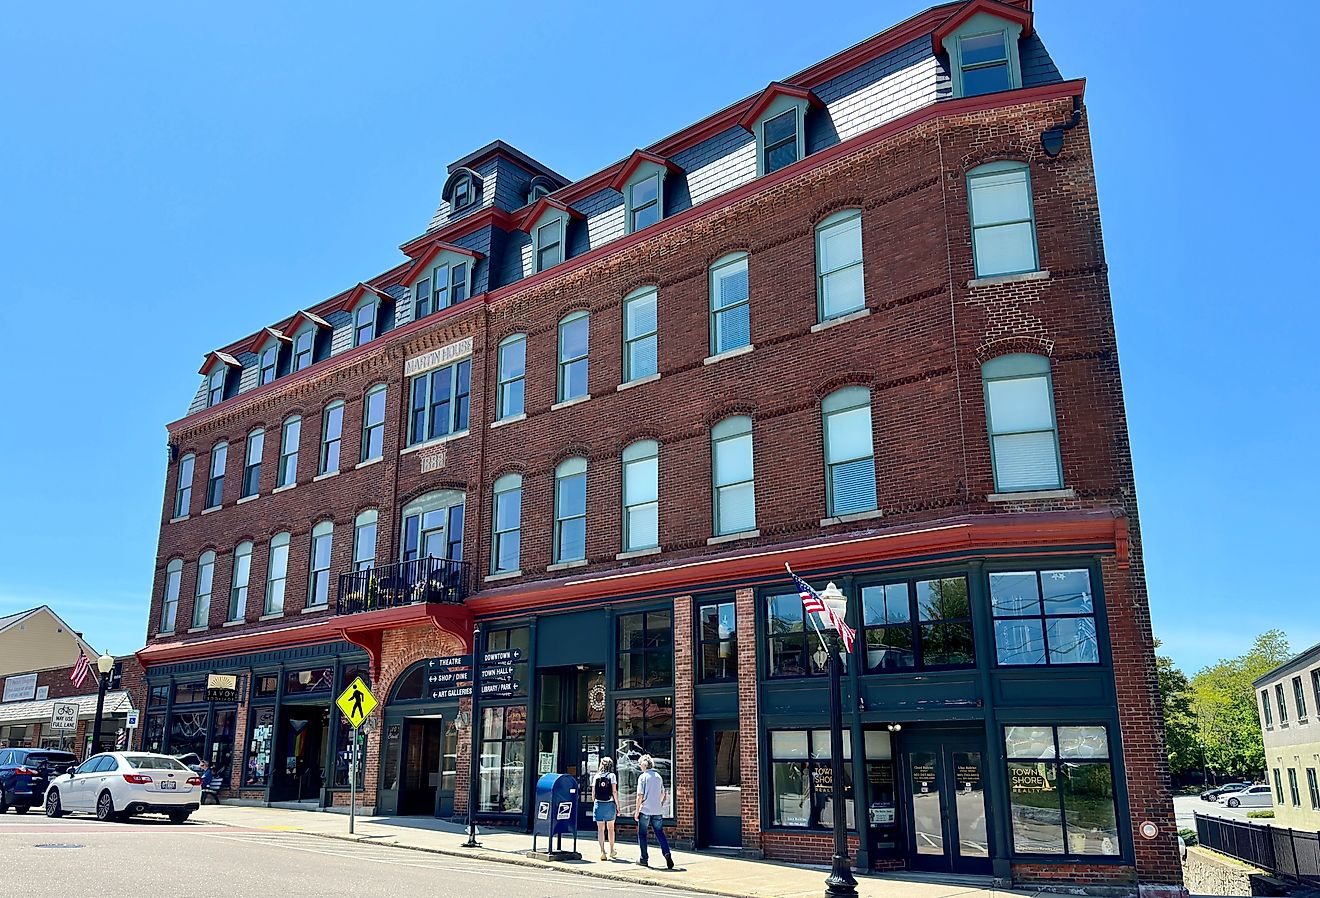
405,583
1281,851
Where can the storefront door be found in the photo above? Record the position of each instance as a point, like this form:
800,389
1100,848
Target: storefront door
719,777
420,770
300,753
945,775
586,747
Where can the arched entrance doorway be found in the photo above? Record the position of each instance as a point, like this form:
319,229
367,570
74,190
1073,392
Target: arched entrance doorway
419,762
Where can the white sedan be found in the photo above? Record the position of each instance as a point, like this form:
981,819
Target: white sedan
1250,797
118,784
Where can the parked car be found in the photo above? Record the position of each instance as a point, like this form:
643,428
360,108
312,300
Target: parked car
1213,794
1250,797
119,784
24,773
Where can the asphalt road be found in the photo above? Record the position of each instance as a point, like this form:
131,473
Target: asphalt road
77,857
1184,806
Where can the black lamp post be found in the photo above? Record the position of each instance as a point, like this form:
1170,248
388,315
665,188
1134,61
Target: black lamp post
840,882
474,758
104,664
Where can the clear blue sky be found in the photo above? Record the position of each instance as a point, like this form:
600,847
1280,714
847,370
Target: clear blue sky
171,180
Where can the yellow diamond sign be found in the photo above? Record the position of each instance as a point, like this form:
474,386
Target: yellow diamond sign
356,702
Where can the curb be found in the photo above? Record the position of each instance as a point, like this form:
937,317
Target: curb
513,860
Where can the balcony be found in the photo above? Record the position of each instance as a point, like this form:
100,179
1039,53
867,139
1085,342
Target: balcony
423,580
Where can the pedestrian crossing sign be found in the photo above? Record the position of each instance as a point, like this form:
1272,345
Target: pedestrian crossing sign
356,702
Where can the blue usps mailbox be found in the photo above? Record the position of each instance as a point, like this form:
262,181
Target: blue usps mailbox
556,814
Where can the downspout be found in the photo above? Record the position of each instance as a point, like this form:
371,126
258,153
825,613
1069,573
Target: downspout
1051,139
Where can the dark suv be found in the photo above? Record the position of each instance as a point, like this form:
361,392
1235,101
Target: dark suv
24,773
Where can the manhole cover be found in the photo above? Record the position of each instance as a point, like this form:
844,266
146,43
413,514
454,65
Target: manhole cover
58,845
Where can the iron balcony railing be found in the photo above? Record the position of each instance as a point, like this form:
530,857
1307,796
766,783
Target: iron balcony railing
405,583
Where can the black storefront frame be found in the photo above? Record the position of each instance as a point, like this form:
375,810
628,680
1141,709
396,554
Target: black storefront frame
171,708
396,712
614,694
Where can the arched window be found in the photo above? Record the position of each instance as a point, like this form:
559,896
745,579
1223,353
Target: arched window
433,526
731,469
640,327
318,580
277,571
238,589
641,496
290,434
332,432
373,423
411,685
169,606
573,340
570,511
1003,223
1024,439
364,540
730,304
256,444
512,376
849,451
215,484
539,187
506,552
839,283
202,595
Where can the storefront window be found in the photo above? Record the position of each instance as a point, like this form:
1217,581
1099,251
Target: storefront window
503,759
918,624
159,695
261,736
518,641
188,732
390,772
16,737
301,682
803,779
645,727
717,637
795,650
646,650
1044,617
153,735
1062,785
267,684
189,692
222,746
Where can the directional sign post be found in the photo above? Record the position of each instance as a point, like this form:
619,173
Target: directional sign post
356,702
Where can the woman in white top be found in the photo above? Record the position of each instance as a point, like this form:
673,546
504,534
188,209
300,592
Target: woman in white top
605,793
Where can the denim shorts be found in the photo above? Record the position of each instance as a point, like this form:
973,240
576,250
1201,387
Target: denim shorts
605,811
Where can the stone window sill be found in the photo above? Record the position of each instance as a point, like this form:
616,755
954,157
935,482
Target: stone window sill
436,442
638,553
179,520
728,354
852,516
369,462
577,400
512,419
198,629
1032,494
211,509
507,575
272,616
326,476
316,608
248,498
628,385
733,537
565,565
233,623
164,632
280,489
1018,278
841,319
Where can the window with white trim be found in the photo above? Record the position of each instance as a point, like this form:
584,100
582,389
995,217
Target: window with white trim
269,363
984,63
318,581
549,244
183,486
440,402
781,140
573,343
169,607
730,304
238,589
215,484
202,594
644,202
221,384
640,334
446,286
364,540
332,430
304,349
277,572
373,423
849,451
570,511
1003,219
512,376
256,444
641,496
290,433
839,282
364,323
731,468
1024,440
433,526
506,550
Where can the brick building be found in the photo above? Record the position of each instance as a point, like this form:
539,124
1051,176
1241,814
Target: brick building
858,323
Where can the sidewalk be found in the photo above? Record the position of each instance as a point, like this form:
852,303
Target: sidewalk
695,871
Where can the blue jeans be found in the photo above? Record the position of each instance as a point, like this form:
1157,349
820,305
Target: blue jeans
656,822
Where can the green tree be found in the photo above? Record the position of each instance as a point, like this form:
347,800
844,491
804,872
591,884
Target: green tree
1180,730
1223,702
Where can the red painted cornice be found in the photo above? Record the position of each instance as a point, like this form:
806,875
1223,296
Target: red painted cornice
490,216
436,249
218,355
297,321
633,162
527,219
972,533
769,95
995,8
267,333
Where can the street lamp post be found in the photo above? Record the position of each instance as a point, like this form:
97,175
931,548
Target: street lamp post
104,664
474,758
840,882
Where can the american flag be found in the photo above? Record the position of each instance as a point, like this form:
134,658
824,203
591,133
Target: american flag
812,603
80,670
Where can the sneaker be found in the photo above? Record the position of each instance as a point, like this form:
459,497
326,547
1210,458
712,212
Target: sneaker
614,855
603,857
669,861
643,863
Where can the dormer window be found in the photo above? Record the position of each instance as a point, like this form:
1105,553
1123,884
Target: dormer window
779,139
215,391
364,323
461,189
777,118
272,350
981,39
303,349
463,193
448,270
641,180
984,63
644,203
222,372
549,244
270,360
539,187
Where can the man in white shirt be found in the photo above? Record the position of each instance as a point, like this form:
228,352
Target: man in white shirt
651,811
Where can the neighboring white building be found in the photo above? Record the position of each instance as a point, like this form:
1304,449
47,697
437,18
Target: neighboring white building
1288,700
